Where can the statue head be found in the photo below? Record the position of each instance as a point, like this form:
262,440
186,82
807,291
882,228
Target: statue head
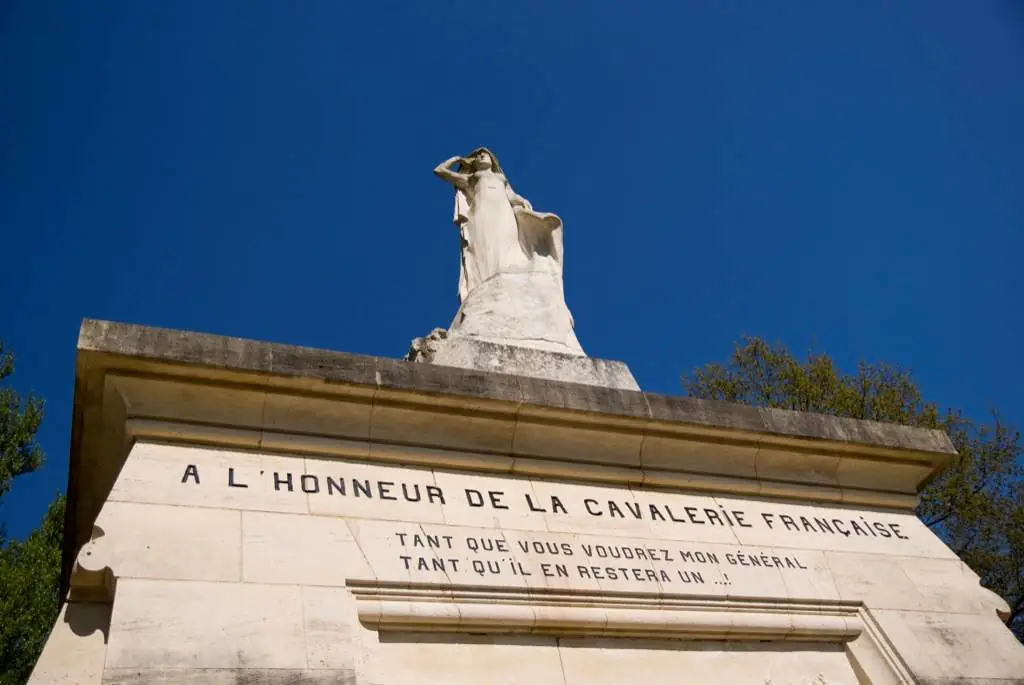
482,159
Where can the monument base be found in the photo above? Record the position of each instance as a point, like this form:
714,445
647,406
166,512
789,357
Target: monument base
469,353
249,512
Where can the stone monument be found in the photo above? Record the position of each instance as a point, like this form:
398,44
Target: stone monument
512,315
248,512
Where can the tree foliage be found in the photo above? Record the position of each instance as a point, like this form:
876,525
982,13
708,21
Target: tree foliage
29,586
29,568
976,504
19,422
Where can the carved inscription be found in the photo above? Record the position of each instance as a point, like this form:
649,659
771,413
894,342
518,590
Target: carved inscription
433,526
474,557
841,524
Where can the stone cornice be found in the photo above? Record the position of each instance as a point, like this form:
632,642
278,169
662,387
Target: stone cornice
135,382
205,356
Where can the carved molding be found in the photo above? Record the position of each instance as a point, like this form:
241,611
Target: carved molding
433,608
534,442
874,657
411,607
92,579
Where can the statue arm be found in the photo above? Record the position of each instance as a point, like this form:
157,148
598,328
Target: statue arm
445,173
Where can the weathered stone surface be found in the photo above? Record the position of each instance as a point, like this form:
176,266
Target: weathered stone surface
169,542
275,548
707,413
177,348
597,398
321,365
468,384
228,676
76,650
173,624
182,347
423,349
954,647
470,353
590,661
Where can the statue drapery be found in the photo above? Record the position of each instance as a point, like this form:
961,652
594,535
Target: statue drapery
511,262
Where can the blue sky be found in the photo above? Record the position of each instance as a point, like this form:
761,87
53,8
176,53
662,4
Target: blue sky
848,175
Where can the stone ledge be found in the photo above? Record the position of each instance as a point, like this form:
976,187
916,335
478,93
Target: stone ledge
468,353
384,606
234,356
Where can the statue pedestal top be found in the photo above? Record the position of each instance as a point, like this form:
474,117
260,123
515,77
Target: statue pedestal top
482,355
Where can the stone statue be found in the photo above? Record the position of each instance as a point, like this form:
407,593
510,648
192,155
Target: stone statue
510,279
512,316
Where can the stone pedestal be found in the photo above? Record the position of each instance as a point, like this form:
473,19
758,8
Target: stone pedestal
469,353
241,511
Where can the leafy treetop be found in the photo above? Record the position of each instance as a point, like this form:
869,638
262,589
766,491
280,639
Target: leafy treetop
976,505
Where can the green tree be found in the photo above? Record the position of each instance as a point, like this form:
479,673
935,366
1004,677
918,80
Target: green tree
976,504
29,568
29,582
19,422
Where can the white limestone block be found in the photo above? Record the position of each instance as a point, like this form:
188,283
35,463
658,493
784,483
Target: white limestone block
334,637
75,652
465,660
906,583
622,661
299,550
179,624
160,541
816,582
940,647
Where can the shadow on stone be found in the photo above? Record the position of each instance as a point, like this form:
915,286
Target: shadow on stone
85,618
